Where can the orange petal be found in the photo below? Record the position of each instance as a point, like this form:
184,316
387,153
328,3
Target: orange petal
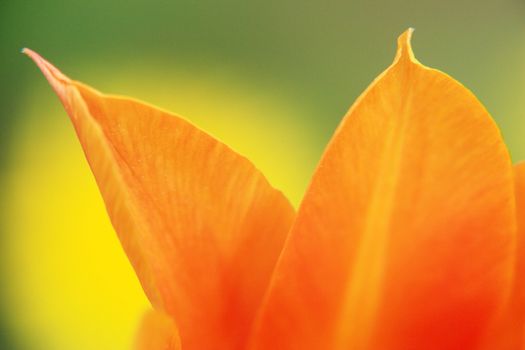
201,226
405,237
517,306
508,332
157,332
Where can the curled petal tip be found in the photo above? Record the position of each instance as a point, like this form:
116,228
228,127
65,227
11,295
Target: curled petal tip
56,78
404,46
32,54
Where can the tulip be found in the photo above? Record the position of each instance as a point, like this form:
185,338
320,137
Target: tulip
409,236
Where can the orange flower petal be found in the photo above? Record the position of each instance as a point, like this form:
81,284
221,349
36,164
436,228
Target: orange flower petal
517,305
201,226
157,332
508,333
405,237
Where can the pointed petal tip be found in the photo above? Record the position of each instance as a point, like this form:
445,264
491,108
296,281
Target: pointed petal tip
28,52
32,54
404,46
55,77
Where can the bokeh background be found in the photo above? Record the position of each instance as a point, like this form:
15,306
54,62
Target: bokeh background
270,78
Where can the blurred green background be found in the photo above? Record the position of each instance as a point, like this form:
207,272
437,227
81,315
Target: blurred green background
270,78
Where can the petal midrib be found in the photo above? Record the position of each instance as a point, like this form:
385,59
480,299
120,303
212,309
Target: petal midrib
363,290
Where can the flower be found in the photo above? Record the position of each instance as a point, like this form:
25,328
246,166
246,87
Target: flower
408,236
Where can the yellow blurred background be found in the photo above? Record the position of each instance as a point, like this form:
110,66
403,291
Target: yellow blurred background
270,78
